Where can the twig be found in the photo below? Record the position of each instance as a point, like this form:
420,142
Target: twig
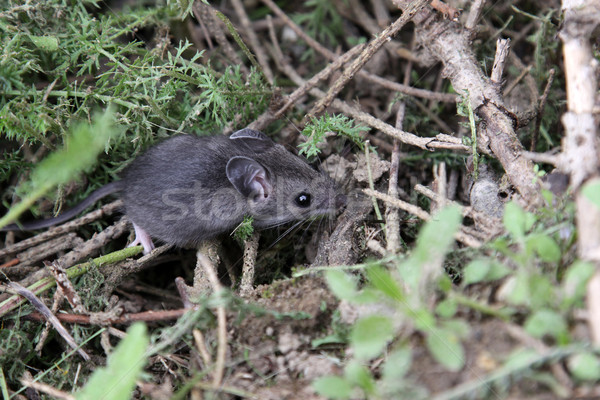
201,346
369,51
392,216
513,84
45,388
254,42
45,283
502,49
446,42
61,229
546,158
211,274
540,113
404,137
48,315
205,13
145,316
419,212
474,14
250,252
411,91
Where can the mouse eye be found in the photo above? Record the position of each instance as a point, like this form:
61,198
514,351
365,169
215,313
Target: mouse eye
303,200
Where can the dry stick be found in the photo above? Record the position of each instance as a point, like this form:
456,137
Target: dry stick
419,212
45,388
450,44
206,13
509,88
211,274
145,316
49,316
250,253
474,14
372,48
392,216
323,74
381,12
491,224
61,229
546,158
580,145
427,94
201,346
253,39
439,142
540,113
502,49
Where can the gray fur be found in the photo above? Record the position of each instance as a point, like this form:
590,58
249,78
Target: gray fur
179,191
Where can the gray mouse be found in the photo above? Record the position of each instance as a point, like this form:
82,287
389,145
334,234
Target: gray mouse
188,189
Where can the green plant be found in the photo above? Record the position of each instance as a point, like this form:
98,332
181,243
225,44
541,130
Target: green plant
317,129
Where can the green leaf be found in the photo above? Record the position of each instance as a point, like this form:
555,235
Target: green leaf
79,154
433,242
483,270
117,380
585,366
360,376
381,279
370,335
591,191
444,345
333,387
545,322
446,308
47,43
516,220
476,271
343,285
575,281
397,364
545,247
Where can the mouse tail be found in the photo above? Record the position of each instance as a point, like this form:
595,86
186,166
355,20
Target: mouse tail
96,195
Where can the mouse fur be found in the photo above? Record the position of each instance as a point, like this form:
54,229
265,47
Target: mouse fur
188,189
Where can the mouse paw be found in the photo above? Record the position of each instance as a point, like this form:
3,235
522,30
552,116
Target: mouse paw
141,237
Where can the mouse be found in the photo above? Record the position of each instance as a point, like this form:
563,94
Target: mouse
188,189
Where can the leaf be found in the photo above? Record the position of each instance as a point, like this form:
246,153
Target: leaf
370,335
433,242
575,281
343,285
381,279
444,345
332,387
516,220
117,380
545,322
585,366
476,271
446,308
545,247
397,364
47,43
360,376
79,154
483,270
591,191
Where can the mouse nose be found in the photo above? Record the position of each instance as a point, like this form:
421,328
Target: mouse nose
340,201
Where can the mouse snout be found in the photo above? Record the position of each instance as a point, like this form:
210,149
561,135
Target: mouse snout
340,201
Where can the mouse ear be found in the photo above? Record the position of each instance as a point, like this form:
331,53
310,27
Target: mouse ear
249,178
249,134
